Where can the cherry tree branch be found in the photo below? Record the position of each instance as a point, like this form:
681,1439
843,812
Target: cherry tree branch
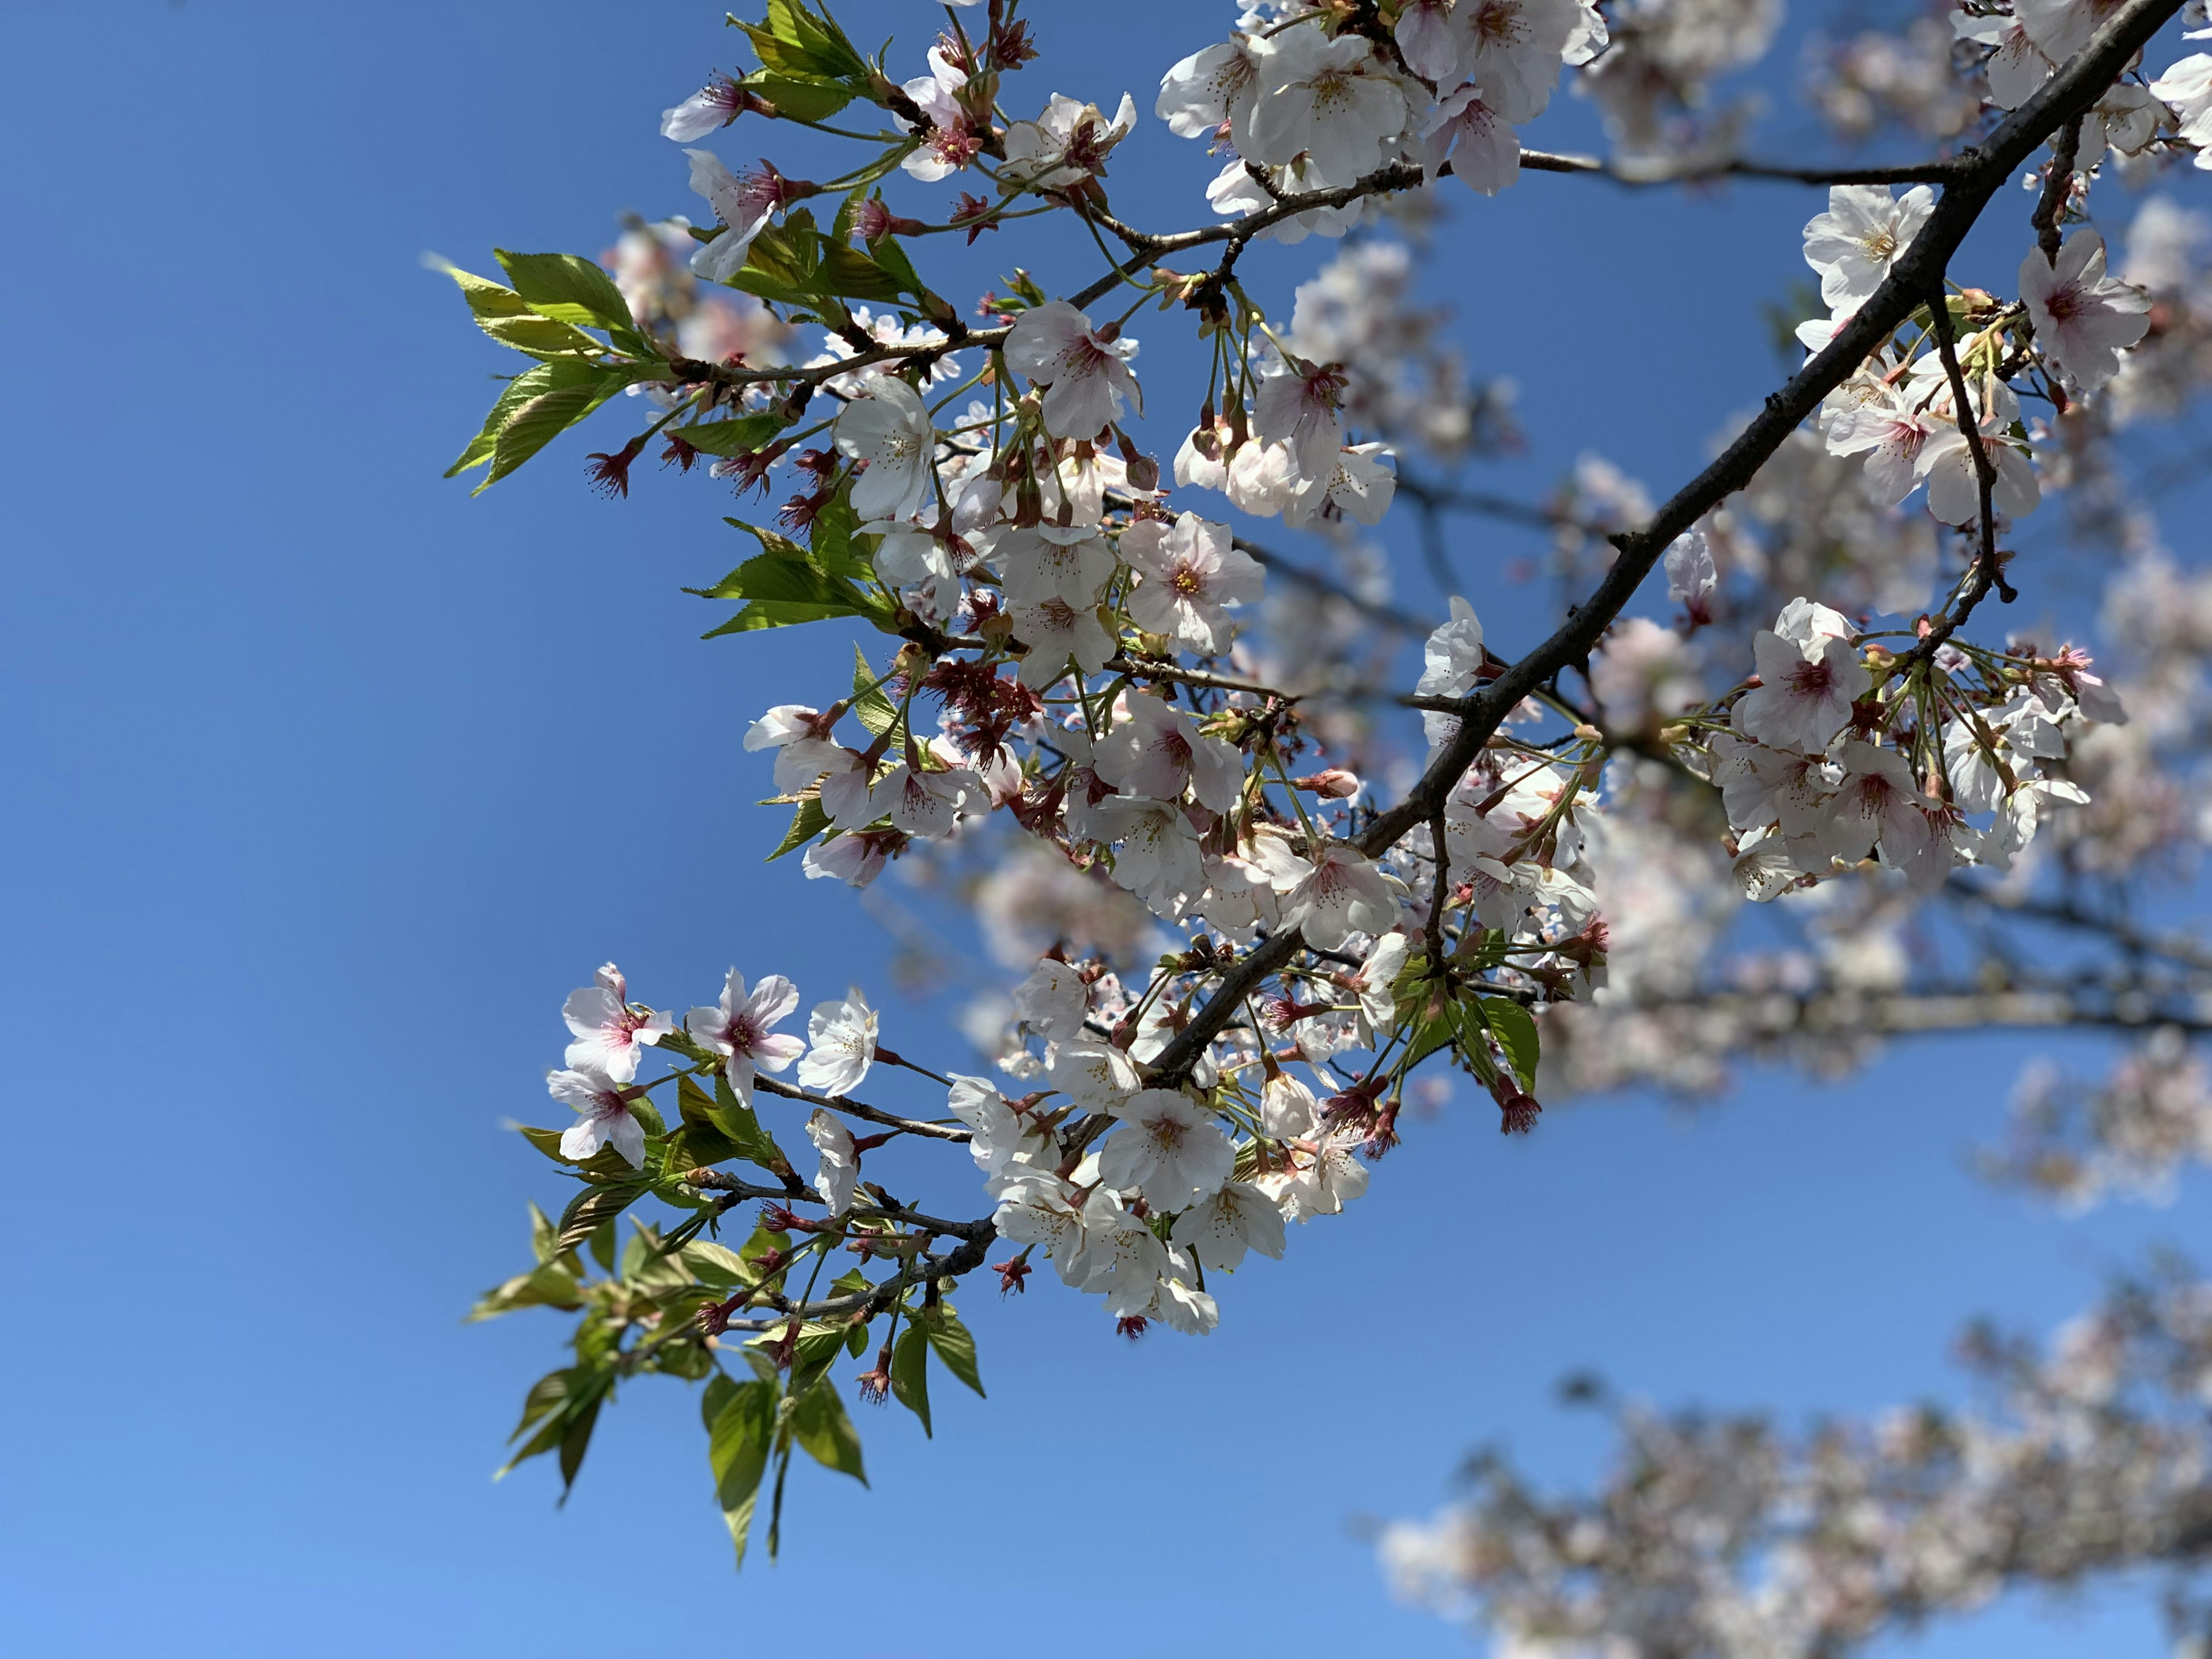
1976,174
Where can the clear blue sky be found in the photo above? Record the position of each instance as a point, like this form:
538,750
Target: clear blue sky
325,782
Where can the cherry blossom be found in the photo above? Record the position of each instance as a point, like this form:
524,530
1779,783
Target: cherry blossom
742,207
1160,752
608,1031
2083,318
1168,1147
1327,100
1214,88
1068,143
741,1028
1343,894
1297,406
1219,1229
604,1116
841,1038
1862,235
1085,371
1484,150
888,430
1514,51
1190,572
714,105
837,1175
1806,692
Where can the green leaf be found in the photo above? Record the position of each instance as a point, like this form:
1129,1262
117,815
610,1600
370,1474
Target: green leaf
567,288
819,1423
546,417
739,1434
1515,1029
910,1375
697,1146
853,275
521,390
877,712
893,258
801,98
808,822
541,1234
546,1286
576,1440
735,1119
606,1165
595,1206
950,1338
793,38
739,437
565,1404
603,1245
1440,1032
716,1264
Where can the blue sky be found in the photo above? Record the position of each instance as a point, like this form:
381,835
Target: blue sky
327,782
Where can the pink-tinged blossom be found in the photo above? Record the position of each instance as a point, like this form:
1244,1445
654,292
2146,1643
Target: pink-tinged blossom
1298,406
1000,1138
1431,40
888,430
1516,48
927,804
1056,633
786,723
717,104
950,142
2083,318
1065,145
1863,233
854,859
603,1116
1373,985
1170,1298
1037,1207
2017,69
1954,489
1327,100
742,1030
1319,1182
608,1031
1890,434
1345,893
840,1044
1484,150
1085,371
1188,571
1878,803
1210,89
1158,752
1359,487
1220,1229
744,205
1805,694
1051,563
1156,852
837,1173
1692,577
1168,1148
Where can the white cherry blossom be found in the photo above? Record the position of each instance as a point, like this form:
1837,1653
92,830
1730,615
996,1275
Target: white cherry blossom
1219,1229
1085,371
741,1028
742,209
603,1116
837,1171
1168,1147
1158,752
1346,892
1862,233
888,430
2083,318
1190,572
1329,100
841,1039
1805,694
608,1031
1515,49
1054,1000
1209,88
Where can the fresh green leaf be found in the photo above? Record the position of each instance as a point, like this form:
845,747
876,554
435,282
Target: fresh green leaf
735,1119
877,712
523,389
845,271
808,822
910,1375
567,288
740,1431
739,437
1516,1030
826,1434
594,1206
716,1264
950,1338
801,98
544,417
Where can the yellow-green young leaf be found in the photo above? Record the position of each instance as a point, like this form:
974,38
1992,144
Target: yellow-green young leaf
845,271
739,437
546,1286
522,389
541,1234
1516,1030
954,1345
808,822
576,1440
819,1423
735,1119
595,1206
541,337
738,1436
604,1166
801,99
545,418
910,1375
878,713
487,300
567,288
716,1264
